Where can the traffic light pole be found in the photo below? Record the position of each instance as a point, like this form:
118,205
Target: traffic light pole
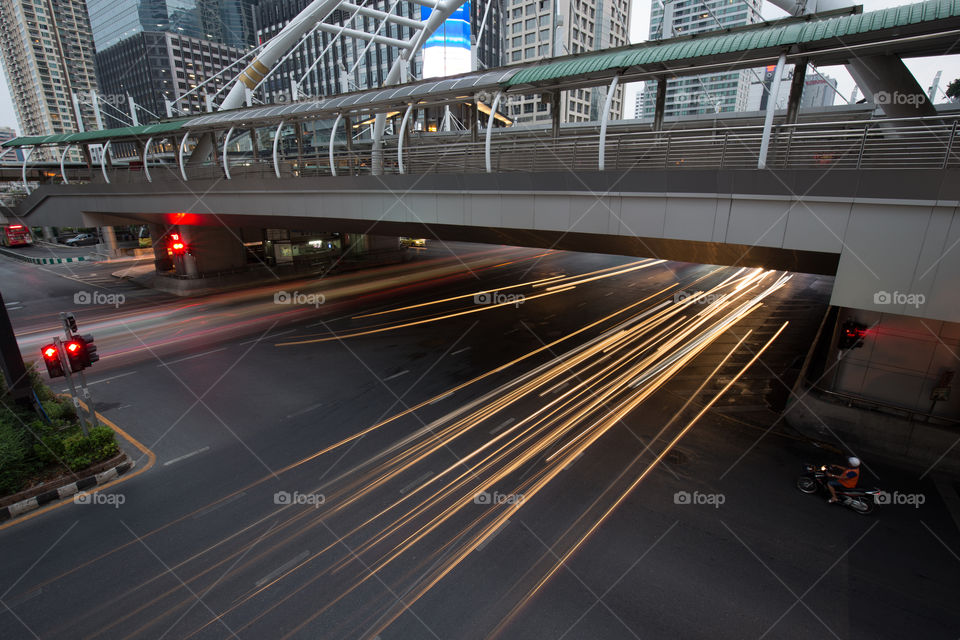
69,326
73,389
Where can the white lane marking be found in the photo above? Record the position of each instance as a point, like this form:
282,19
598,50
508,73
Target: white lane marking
512,331
416,482
189,455
552,315
121,375
304,410
493,535
608,294
280,333
397,375
289,564
443,397
453,353
10,304
582,304
222,504
269,337
196,355
505,423
13,308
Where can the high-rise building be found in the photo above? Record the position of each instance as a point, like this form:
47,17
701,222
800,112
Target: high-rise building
708,93
154,67
818,90
229,22
538,29
11,155
325,65
47,53
638,105
158,50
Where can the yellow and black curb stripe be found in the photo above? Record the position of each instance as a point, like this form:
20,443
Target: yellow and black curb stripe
54,499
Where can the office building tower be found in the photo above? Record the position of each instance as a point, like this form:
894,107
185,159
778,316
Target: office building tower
707,93
229,22
155,68
818,90
538,29
324,65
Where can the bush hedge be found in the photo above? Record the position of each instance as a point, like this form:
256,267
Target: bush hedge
31,446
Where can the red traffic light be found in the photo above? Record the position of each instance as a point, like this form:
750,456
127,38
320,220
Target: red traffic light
178,247
75,354
174,236
51,358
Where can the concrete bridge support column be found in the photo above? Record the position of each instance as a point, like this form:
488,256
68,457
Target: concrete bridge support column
110,241
158,240
211,250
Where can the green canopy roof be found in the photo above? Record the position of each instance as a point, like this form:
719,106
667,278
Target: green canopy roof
753,38
141,131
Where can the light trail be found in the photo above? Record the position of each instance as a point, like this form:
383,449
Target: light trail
608,377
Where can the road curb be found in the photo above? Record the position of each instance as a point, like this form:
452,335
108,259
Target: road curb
65,491
32,260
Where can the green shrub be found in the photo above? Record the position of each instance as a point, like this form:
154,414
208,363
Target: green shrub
81,452
14,453
59,410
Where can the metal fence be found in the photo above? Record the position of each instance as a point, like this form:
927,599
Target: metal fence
910,143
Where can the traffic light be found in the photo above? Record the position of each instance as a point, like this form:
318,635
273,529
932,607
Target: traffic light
51,358
851,335
89,350
177,246
71,321
74,349
81,352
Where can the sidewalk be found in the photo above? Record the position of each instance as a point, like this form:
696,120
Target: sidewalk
43,253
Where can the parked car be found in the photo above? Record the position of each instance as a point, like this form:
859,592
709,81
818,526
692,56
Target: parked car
82,240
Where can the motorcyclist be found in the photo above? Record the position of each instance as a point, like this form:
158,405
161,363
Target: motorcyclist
844,477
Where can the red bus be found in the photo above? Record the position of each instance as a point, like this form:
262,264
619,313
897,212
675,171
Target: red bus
15,235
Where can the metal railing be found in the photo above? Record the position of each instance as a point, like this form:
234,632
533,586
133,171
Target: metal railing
906,143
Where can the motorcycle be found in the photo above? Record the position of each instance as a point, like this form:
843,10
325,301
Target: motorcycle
814,480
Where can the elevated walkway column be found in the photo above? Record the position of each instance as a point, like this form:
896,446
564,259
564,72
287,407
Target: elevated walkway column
661,104
771,109
555,114
796,90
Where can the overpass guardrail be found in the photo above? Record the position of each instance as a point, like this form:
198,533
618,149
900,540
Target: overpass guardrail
903,144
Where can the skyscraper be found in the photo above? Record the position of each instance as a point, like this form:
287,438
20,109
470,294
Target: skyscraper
324,66
537,29
48,55
708,93
159,50
229,22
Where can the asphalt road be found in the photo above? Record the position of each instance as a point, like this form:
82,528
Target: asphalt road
252,401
